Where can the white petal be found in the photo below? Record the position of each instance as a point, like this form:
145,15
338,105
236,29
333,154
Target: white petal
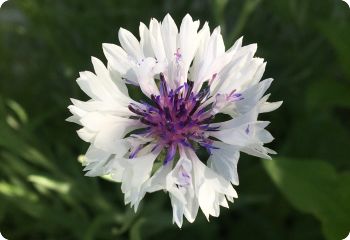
224,161
145,41
236,46
86,134
115,108
257,151
259,73
210,187
118,80
223,201
252,96
100,69
178,211
130,44
74,119
96,121
249,137
206,198
137,172
188,42
204,35
116,90
191,209
77,114
241,121
156,40
180,186
89,83
188,38
118,61
248,50
111,79
97,162
117,169
158,180
145,76
169,35
110,139
270,106
214,59
94,154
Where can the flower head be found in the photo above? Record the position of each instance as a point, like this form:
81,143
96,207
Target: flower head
191,83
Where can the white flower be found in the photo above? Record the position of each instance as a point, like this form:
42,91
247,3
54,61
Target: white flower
188,78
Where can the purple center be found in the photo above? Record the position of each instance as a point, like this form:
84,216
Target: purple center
176,117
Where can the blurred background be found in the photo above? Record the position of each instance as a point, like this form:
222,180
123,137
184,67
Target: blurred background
304,193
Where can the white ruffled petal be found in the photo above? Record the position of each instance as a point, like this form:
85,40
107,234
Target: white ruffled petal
97,162
77,114
169,36
157,40
210,187
145,73
137,172
213,58
130,44
158,180
108,140
89,83
86,134
251,97
199,59
188,42
178,210
114,108
145,41
183,178
119,63
246,133
116,88
224,160
265,106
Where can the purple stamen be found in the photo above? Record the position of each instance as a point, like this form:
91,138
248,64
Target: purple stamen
155,147
234,96
208,146
170,154
145,121
212,78
163,86
136,151
184,178
136,111
175,117
178,55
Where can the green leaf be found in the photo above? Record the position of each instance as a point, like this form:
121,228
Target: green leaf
315,187
326,94
44,183
338,36
135,231
18,110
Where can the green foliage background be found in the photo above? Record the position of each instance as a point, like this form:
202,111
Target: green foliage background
304,193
